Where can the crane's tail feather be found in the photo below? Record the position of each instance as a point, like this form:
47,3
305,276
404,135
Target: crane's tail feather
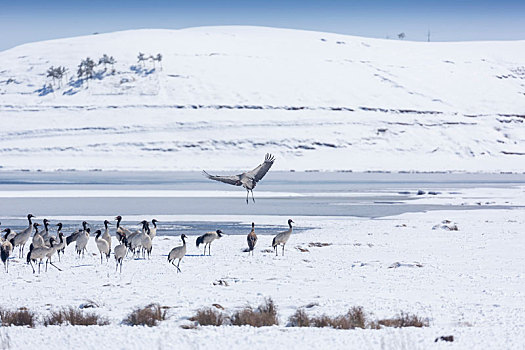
199,241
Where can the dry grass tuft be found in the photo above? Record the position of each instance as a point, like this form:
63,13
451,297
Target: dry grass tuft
149,315
74,317
299,319
404,320
354,318
209,317
20,317
264,315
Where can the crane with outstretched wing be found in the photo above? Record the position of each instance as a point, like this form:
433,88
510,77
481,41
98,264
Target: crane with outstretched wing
248,179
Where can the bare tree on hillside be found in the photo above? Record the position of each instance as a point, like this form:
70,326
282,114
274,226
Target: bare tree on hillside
401,36
141,58
159,58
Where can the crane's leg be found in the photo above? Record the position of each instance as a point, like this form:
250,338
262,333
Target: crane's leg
247,194
252,196
56,267
116,267
276,250
204,250
178,266
32,266
209,249
283,249
120,266
46,264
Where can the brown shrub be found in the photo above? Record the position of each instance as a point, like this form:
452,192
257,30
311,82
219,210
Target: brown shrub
299,319
74,317
149,315
264,315
354,318
404,320
20,317
209,317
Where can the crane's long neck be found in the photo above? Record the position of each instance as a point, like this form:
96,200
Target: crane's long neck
30,222
183,241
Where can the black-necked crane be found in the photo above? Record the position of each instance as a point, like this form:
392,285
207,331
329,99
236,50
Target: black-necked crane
282,237
22,237
6,248
153,230
120,252
121,231
61,246
102,245
73,237
38,240
106,235
82,241
178,253
252,239
11,234
81,238
207,238
45,232
248,179
147,244
39,254
53,248
135,239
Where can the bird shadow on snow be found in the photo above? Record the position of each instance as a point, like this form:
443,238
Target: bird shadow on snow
83,265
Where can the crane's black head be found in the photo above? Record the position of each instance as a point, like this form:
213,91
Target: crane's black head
35,225
253,225
29,216
154,222
183,236
8,230
219,233
290,222
52,241
5,236
98,233
84,225
118,218
106,223
46,221
88,230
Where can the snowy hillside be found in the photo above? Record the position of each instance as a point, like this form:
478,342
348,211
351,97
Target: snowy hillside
316,100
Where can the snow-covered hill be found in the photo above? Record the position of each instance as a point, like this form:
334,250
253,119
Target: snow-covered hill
225,95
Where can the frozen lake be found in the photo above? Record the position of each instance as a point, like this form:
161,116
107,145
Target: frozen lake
73,196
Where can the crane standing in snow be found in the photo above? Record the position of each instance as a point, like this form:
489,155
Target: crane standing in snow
248,179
